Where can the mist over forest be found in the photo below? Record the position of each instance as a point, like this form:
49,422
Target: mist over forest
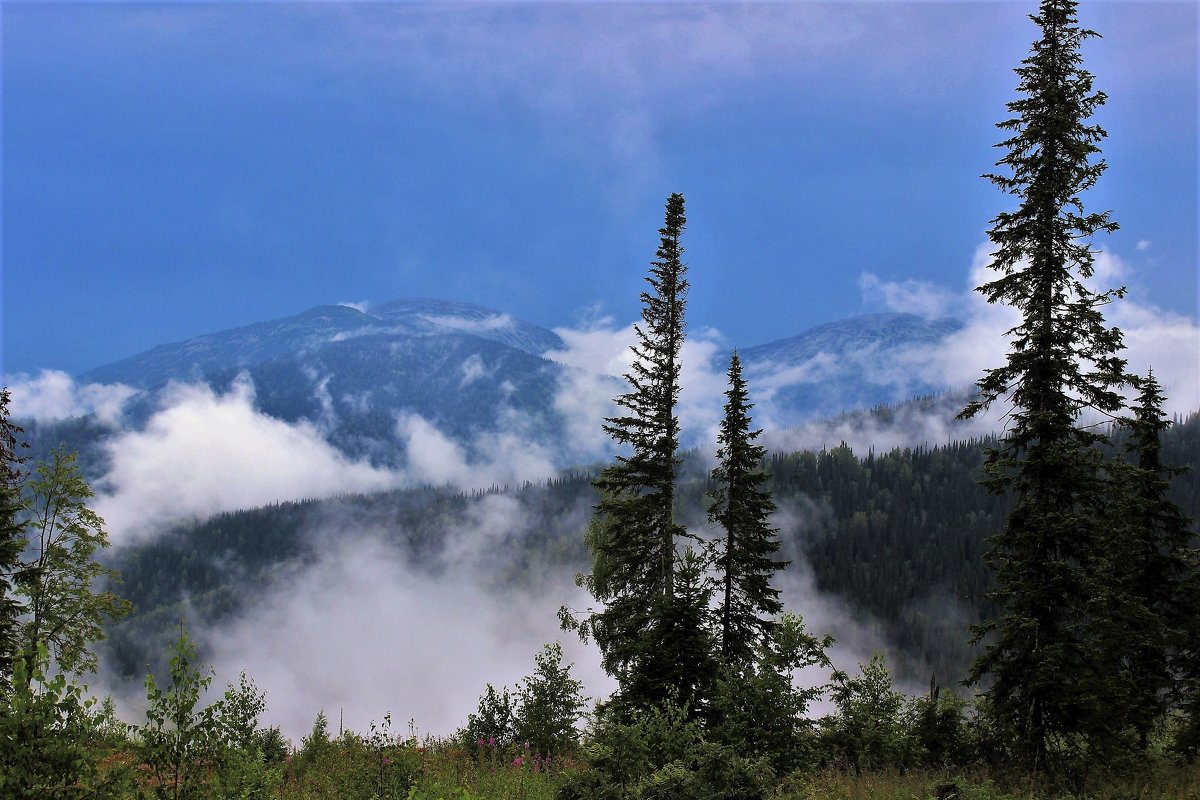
867,483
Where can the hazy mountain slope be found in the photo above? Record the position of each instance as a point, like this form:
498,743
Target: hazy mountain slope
844,364
877,332
357,387
470,370
294,338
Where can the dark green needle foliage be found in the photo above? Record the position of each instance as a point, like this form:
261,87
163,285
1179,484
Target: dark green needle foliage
742,506
1145,612
1046,682
633,533
12,537
679,663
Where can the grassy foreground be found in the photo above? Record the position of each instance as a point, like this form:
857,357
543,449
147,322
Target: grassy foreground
350,768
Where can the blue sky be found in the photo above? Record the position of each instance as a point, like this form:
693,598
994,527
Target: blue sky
171,170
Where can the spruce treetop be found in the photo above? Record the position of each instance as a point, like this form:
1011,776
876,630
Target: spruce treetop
1063,357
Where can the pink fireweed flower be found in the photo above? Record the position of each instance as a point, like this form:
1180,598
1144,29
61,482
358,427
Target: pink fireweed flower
386,761
518,761
491,741
479,741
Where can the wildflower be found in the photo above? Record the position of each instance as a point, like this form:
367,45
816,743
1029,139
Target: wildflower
386,761
491,741
518,761
479,741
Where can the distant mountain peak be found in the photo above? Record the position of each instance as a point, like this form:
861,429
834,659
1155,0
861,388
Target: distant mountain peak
883,329
289,338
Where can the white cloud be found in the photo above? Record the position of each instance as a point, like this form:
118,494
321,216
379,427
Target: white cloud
1170,344
204,453
432,457
599,347
507,454
1153,337
1143,245
598,355
601,355
494,322
472,370
910,296
363,633
361,305
54,395
703,381
1109,270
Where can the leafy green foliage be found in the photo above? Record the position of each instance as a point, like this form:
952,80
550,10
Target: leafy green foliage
59,578
376,766
551,702
492,723
1146,607
937,725
868,731
660,753
1049,678
195,750
680,661
180,738
46,748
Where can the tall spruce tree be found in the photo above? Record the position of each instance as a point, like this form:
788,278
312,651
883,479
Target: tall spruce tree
1150,567
742,506
12,537
1045,681
633,533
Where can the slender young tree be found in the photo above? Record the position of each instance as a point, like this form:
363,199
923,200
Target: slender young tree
1045,684
742,506
66,606
12,537
633,533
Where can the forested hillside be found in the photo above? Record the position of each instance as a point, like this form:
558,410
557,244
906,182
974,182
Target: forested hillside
897,536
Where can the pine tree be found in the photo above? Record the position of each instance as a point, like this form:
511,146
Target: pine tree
633,533
678,664
12,537
1151,564
1045,683
743,507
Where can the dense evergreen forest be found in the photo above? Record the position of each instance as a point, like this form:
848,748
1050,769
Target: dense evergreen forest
897,536
1069,549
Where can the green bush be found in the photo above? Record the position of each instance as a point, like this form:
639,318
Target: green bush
45,736
492,723
868,732
938,730
759,711
551,702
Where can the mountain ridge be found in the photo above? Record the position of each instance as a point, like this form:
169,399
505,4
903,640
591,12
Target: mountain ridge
470,371
271,340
